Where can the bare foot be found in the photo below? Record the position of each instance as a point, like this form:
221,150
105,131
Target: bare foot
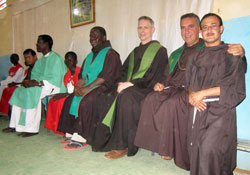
166,157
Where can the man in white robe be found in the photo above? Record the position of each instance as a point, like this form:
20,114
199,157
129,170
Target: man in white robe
46,79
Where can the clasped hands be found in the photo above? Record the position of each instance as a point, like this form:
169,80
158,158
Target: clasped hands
80,91
123,85
159,87
196,100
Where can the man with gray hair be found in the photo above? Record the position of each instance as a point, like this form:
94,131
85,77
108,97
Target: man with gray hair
164,114
118,112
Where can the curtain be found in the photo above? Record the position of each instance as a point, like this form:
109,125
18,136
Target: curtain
118,17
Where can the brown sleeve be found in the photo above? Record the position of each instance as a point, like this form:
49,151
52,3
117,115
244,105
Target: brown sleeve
232,84
111,68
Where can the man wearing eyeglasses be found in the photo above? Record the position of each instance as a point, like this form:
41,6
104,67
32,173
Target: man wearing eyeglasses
216,82
164,113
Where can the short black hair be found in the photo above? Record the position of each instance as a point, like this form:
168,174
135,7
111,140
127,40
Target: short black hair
72,55
191,15
14,57
47,39
213,14
100,29
31,51
147,18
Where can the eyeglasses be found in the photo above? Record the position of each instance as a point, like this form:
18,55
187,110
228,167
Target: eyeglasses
213,27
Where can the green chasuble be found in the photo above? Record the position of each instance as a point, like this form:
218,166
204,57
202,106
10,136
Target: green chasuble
146,62
174,57
52,69
90,73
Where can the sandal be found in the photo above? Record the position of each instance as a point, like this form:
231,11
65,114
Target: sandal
75,146
7,130
114,154
66,141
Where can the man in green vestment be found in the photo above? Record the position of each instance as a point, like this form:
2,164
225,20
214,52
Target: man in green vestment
46,79
100,69
164,115
114,126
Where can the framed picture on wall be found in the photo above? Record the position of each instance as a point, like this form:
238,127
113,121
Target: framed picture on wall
82,12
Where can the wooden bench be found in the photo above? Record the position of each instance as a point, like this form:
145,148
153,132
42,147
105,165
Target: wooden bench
243,145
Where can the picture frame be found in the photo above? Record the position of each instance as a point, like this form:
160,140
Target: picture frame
81,12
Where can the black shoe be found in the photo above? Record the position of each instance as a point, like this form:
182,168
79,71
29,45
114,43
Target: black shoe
7,130
28,134
21,134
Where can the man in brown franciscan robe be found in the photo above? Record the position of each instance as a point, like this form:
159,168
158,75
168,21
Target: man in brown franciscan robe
216,82
77,128
164,114
120,139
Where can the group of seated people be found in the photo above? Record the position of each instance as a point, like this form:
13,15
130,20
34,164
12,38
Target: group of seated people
15,77
181,107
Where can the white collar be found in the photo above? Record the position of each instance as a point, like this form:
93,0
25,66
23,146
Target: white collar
47,54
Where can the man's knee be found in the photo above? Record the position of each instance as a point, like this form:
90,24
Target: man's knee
208,149
126,95
152,96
